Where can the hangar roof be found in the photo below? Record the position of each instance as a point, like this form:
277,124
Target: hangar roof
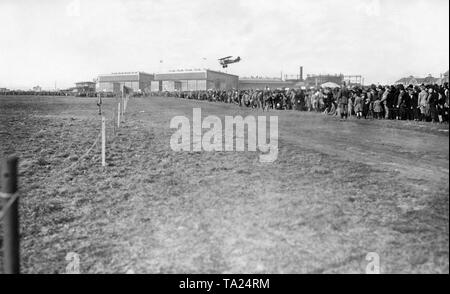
188,75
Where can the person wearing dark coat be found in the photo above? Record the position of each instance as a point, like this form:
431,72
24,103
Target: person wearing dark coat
414,107
343,96
441,104
392,101
432,102
328,101
366,105
446,103
301,98
402,105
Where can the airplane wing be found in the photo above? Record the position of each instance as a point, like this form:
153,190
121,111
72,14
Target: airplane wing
225,58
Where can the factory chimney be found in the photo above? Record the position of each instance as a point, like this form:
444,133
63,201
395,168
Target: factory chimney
301,74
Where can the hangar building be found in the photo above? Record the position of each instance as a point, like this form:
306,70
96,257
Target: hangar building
194,80
138,81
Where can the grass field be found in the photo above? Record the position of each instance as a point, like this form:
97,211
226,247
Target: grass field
339,190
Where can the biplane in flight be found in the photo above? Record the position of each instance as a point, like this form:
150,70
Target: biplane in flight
228,60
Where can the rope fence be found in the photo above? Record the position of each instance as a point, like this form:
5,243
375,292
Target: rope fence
113,122
9,196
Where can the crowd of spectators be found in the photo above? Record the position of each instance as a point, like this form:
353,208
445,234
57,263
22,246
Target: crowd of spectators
394,102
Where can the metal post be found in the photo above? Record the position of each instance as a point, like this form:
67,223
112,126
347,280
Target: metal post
103,141
11,253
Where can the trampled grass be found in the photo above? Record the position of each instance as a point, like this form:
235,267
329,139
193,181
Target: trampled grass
338,190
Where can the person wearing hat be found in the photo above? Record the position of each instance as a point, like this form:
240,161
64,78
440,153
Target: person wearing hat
377,109
266,98
358,105
384,101
432,102
315,100
414,107
402,104
423,103
327,99
350,103
334,102
259,99
445,102
342,99
441,103
292,99
366,105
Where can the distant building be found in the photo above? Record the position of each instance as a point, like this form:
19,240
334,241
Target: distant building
317,80
353,80
37,89
4,90
137,81
297,81
85,87
411,80
407,81
90,85
194,80
248,83
428,80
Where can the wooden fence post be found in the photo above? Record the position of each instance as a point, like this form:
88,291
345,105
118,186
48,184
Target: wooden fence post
118,116
123,97
11,248
103,141
123,107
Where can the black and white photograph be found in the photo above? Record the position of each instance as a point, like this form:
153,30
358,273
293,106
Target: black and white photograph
224,142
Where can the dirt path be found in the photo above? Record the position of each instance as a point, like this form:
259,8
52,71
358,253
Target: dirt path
337,191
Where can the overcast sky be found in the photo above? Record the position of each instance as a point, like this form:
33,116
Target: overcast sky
64,41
